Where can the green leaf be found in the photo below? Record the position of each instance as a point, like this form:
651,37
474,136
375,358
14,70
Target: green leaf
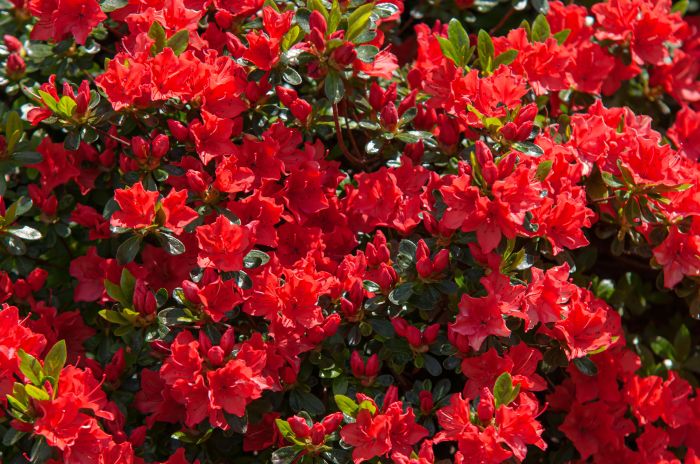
680,7
540,29
366,53
24,232
128,250
12,436
334,18
30,367
24,158
401,294
346,405
48,100
172,245
157,33
505,58
111,5
486,51
127,282
36,393
18,208
663,348
448,49
72,141
457,35
304,401
255,258
503,391
432,365
284,455
15,245
113,316
13,130
334,87
528,148
562,35
358,20
179,42
55,359
586,366
371,286
682,343
115,292
66,106
291,76
543,170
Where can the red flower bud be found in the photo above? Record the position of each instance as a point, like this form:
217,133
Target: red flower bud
426,402
331,422
179,130
430,333
301,109
357,365
15,66
286,95
372,366
389,117
318,434
299,426
12,43
318,22
216,356
344,55
485,409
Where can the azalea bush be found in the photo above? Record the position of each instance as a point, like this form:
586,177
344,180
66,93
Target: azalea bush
388,231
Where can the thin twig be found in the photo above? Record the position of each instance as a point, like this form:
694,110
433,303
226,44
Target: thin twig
341,142
503,20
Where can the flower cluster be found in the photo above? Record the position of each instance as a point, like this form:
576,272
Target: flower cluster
349,231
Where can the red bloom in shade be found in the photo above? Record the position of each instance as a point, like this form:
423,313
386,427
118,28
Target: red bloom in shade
404,432
595,426
518,428
685,133
177,213
60,19
237,383
679,254
224,244
137,207
369,434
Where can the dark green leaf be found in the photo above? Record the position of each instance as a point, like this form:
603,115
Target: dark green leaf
128,250
682,343
291,76
505,58
111,5
586,366
528,148
285,455
334,87
171,244
255,258
486,51
24,158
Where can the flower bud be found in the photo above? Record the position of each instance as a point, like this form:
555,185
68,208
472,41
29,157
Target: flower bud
426,402
15,66
299,426
485,409
344,55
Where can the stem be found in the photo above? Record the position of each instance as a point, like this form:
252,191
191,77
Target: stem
503,20
341,142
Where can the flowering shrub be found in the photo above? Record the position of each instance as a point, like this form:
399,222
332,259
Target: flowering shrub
349,231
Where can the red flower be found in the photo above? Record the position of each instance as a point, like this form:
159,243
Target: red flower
224,244
137,207
59,19
369,434
177,213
